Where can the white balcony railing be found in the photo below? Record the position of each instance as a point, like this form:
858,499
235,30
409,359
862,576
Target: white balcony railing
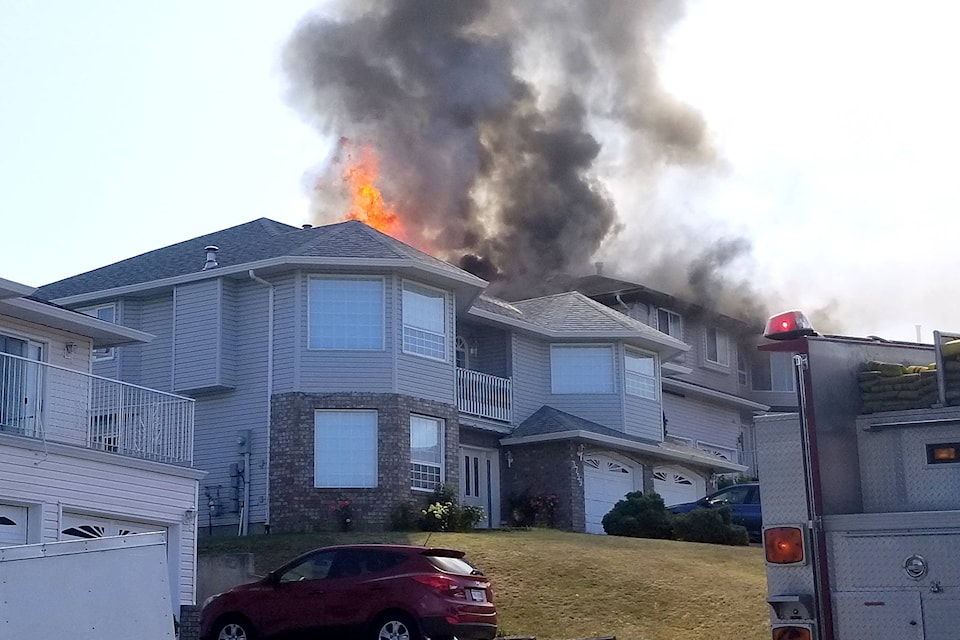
483,395
56,404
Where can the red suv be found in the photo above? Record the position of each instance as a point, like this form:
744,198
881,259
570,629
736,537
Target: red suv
370,591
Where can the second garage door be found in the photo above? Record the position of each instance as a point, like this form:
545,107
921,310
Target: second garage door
605,481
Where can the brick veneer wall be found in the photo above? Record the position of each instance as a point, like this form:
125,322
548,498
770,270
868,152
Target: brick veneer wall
555,468
297,506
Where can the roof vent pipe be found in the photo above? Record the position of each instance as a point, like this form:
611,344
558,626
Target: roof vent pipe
211,257
599,268
308,226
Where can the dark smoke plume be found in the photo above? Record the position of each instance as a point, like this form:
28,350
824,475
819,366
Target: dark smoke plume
498,125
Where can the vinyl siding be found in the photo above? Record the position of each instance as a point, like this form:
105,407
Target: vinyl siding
53,482
643,417
156,357
128,358
334,371
200,360
531,381
704,373
221,415
701,421
423,377
492,349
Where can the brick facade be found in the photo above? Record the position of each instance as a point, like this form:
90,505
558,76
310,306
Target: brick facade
297,506
555,468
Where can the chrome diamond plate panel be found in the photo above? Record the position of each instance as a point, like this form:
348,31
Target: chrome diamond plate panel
869,615
783,491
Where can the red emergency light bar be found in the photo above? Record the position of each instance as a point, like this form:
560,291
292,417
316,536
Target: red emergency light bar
788,325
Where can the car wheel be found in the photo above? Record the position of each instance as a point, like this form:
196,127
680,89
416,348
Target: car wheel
395,627
234,628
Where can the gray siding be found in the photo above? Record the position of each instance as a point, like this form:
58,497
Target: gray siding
531,376
704,373
643,417
156,357
129,359
702,422
422,377
339,371
200,312
287,326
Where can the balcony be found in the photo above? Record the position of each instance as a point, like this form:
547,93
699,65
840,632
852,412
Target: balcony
485,396
55,404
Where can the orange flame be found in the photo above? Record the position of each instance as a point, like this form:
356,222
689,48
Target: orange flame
360,175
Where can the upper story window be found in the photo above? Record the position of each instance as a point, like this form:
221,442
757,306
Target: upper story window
581,368
669,323
743,370
107,313
718,347
641,377
773,371
424,321
346,313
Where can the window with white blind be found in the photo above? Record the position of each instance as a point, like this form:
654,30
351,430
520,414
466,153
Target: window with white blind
718,347
581,368
345,448
669,322
424,321
641,376
346,313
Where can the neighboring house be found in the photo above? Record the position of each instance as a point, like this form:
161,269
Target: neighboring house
83,456
336,362
712,392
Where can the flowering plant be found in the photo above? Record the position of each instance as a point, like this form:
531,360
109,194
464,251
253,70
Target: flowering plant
344,513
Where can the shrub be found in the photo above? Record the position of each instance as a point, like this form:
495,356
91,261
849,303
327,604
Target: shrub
639,515
709,525
529,510
728,480
444,513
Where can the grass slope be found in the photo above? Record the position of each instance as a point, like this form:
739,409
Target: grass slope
557,585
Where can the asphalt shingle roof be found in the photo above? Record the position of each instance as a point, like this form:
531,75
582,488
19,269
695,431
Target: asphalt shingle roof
250,242
547,420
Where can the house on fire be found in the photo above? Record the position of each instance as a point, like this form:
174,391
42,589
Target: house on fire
338,362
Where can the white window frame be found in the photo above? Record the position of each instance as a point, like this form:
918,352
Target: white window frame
743,367
421,465
786,360
417,336
333,452
638,383
325,343
571,380
722,347
674,323
100,355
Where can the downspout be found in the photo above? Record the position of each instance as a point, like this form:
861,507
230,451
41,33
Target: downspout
266,522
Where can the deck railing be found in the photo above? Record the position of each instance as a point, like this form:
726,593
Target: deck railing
483,395
56,404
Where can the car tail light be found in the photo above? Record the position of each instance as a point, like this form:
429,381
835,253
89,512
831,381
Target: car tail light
441,583
783,545
790,633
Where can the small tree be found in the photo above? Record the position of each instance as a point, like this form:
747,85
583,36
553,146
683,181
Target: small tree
639,515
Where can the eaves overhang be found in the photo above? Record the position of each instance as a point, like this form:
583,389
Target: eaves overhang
467,285
104,334
667,348
11,289
726,398
718,465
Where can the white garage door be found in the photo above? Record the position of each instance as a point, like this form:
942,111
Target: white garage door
83,526
13,525
605,481
674,485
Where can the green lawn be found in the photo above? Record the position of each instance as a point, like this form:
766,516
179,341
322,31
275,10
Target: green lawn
558,586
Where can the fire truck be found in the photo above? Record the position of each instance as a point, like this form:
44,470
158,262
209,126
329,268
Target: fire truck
861,488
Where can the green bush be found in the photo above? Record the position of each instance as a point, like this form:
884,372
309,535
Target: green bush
728,480
639,516
709,525
444,512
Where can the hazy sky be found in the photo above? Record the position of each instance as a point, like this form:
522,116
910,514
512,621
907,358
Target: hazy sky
127,126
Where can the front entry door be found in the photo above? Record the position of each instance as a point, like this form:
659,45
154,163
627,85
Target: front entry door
480,483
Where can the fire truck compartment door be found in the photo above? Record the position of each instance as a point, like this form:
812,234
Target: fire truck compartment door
868,615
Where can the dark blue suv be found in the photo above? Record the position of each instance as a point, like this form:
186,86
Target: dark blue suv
744,503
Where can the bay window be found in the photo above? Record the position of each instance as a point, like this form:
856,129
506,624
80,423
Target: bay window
424,321
346,313
345,448
426,452
581,368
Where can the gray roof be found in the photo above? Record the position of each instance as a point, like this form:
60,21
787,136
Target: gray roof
573,315
548,420
257,243
552,425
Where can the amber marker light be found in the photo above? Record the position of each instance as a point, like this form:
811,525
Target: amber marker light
783,545
790,633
